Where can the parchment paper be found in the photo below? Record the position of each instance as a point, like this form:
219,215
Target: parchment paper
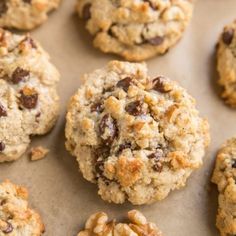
57,189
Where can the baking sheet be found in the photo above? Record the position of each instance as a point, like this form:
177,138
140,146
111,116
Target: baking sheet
58,191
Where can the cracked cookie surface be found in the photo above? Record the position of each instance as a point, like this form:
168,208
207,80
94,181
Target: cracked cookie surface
98,225
226,63
25,14
136,30
29,102
138,138
16,218
224,176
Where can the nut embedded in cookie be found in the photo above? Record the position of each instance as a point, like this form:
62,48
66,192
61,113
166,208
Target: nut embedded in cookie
136,137
226,64
135,30
29,103
98,224
16,218
224,176
25,14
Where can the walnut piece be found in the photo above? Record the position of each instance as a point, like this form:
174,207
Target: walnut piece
98,225
38,153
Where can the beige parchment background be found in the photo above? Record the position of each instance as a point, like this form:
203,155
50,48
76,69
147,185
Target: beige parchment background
57,189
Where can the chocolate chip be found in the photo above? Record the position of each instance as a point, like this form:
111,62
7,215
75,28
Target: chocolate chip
18,75
155,41
108,129
2,146
3,111
228,36
122,147
124,84
29,98
109,89
135,108
27,1
97,107
3,202
157,156
3,7
234,164
86,14
9,228
99,167
151,4
159,85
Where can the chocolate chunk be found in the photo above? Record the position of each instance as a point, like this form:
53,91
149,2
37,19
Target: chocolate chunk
97,107
3,111
228,36
3,202
155,41
124,84
9,228
86,14
108,129
3,7
28,98
2,146
27,1
135,108
159,85
234,164
18,75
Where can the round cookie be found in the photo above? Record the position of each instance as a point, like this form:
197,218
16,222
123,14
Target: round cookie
138,138
25,14
226,63
16,218
135,30
29,102
98,224
224,176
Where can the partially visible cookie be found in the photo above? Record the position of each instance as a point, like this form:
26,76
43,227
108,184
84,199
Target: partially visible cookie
98,225
135,30
29,103
226,63
16,218
224,176
137,137
25,14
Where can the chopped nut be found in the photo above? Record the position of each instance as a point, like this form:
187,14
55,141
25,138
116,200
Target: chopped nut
98,225
38,153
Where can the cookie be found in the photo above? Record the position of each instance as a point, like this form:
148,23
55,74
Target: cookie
16,218
226,64
28,98
25,14
224,176
138,138
98,224
135,30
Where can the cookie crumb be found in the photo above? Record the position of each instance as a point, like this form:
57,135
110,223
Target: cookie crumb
38,153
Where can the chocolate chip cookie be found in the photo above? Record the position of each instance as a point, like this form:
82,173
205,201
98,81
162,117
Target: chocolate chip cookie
137,137
226,63
25,14
98,224
28,98
136,30
16,218
224,176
